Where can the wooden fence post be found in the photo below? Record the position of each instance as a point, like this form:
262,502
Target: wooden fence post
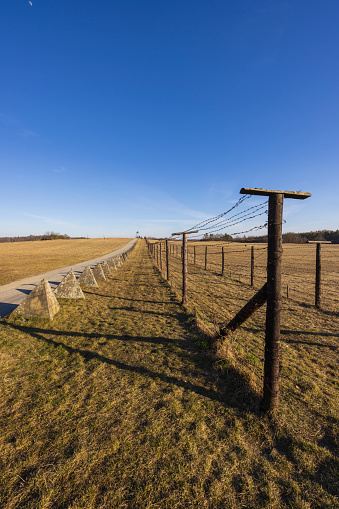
252,265
157,254
274,259
167,261
184,268
160,254
222,261
206,258
318,277
194,256
184,263
272,336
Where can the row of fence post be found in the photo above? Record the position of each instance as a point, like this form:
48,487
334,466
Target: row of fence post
271,291
174,249
271,365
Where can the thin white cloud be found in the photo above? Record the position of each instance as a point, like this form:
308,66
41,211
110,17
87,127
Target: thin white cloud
62,169
49,220
26,133
21,131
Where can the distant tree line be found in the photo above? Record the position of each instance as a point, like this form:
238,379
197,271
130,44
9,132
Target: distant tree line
290,237
45,236
298,238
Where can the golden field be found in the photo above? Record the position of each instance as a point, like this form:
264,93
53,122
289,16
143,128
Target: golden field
23,259
119,402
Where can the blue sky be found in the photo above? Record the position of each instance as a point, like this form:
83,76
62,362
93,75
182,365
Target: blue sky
118,116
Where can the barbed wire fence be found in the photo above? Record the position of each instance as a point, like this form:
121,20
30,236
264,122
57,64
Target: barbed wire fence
219,275
247,264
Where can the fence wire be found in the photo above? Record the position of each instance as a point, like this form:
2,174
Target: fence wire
298,272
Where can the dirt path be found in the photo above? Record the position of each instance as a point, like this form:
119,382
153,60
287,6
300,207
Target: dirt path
113,404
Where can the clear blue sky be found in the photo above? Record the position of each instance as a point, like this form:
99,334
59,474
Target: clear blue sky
118,116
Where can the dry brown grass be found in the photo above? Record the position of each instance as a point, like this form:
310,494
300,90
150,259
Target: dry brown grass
116,403
23,259
298,268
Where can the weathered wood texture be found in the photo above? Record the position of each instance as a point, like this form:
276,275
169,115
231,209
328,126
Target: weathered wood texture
252,265
252,305
318,277
273,311
184,268
167,261
267,192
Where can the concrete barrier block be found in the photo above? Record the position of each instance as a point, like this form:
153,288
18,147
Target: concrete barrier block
87,278
69,288
99,273
105,268
41,302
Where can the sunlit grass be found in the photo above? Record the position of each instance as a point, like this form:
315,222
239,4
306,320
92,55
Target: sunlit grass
119,403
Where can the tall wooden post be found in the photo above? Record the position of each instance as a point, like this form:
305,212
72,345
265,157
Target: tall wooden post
194,256
222,261
206,258
252,265
273,311
318,277
184,268
184,263
167,261
157,254
160,254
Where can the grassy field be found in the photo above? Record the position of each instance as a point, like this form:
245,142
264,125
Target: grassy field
118,403
23,259
298,268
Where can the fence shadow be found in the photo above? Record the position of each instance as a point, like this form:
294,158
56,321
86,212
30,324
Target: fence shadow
232,388
297,333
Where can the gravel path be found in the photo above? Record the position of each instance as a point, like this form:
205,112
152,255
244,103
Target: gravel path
12,294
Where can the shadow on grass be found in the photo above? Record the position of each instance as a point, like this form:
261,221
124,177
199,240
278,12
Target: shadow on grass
144,312
125,298
233,391
322,311
299,332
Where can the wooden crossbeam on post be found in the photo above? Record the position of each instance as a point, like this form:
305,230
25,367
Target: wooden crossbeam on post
250,307
184,263
273,311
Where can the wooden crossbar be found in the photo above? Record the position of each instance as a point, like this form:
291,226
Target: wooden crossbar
297,195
